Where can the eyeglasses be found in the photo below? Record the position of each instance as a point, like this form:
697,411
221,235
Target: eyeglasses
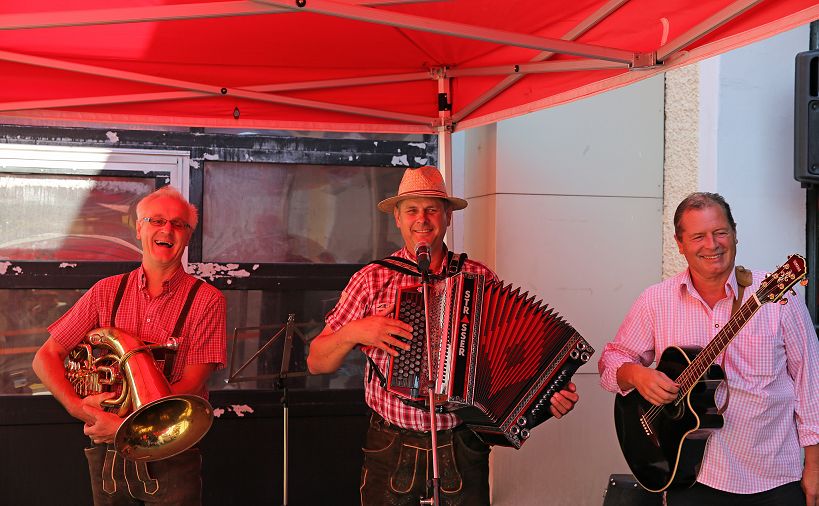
160,222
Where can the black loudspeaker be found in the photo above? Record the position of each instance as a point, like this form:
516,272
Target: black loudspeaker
806,118
623,490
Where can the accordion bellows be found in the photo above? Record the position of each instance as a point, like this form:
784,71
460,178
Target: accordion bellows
498,355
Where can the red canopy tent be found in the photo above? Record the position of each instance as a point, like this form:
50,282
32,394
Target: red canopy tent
411,66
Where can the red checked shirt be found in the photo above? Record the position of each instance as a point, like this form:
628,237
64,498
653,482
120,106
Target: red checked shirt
772,367
202,340
371,289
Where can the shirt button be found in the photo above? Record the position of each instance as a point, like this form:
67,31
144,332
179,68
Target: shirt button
716,325
148,320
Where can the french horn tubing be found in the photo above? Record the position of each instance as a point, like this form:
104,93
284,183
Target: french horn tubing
158,424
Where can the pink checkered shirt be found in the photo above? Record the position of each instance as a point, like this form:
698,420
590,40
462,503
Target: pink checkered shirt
772,366
370,289
202,340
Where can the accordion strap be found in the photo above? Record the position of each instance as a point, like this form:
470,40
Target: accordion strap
382,380
410,268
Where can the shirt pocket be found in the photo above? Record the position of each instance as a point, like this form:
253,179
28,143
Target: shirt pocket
757,352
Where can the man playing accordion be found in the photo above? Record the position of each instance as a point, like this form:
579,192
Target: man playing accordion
397,452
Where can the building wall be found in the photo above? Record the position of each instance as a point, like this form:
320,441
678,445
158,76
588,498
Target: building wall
576,203
568,205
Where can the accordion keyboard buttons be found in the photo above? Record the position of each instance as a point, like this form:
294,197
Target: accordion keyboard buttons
406,369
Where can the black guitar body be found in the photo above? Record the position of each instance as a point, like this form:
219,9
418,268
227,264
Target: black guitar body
667,451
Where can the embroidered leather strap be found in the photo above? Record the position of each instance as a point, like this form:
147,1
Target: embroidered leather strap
744,278
454,264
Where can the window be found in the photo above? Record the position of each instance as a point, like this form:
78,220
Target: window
277,213
279,235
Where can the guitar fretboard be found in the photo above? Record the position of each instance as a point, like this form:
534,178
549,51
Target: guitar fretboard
706,357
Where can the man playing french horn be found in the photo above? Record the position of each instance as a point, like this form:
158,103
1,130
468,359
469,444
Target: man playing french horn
153,303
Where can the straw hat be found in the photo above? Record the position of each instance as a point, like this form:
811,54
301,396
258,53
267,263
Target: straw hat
425,182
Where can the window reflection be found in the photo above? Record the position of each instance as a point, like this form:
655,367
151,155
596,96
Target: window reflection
69,218
272,213
24,318
26,314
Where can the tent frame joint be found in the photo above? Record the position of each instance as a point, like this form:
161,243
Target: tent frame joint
644,61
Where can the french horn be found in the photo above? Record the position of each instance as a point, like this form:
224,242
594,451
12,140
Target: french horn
158,424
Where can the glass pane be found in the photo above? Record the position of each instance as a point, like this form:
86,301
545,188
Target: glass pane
257,319
270,213
26,314
70,218
24,318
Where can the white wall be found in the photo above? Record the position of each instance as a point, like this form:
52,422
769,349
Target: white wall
567,203
755,148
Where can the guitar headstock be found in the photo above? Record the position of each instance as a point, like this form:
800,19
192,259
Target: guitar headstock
788,274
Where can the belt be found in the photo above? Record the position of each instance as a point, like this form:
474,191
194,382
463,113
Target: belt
379,423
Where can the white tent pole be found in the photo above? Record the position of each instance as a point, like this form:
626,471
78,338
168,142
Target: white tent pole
445,147
207,88
391,18
590,22
704,28
122,15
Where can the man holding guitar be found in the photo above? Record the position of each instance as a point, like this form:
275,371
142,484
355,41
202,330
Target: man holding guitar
770,357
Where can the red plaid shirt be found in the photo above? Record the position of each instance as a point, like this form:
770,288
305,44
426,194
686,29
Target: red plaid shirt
370,290
202,340
772,367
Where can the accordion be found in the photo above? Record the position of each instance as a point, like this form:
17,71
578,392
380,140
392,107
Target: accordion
497,355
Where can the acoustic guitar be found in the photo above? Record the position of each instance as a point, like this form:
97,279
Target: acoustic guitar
664,445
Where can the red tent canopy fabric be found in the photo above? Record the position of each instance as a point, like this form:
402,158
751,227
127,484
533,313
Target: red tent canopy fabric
409,66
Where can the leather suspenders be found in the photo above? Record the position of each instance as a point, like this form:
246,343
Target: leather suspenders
164,357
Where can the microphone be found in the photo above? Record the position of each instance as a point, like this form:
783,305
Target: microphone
422,257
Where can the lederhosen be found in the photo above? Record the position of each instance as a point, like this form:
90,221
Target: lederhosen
116,480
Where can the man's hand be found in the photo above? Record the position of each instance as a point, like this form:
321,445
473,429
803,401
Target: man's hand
381,331
564,401
101,426
654,386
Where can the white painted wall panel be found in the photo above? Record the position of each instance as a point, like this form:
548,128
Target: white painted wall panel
602,145
755,149
566,462
589,257
567,203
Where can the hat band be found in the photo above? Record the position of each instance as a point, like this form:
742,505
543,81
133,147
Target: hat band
435,193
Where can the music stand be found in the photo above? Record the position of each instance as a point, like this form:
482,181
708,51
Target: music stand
286,331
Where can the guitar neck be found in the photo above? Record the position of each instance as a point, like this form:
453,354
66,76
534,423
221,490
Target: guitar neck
689,377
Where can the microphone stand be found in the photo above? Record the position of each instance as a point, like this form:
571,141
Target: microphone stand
436,479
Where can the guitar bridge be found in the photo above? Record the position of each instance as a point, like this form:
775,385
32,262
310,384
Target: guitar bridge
646,427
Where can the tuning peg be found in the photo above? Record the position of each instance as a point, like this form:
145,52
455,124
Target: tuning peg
804,282
783,301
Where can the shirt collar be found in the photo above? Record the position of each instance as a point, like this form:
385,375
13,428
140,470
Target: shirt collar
169,285
731,287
